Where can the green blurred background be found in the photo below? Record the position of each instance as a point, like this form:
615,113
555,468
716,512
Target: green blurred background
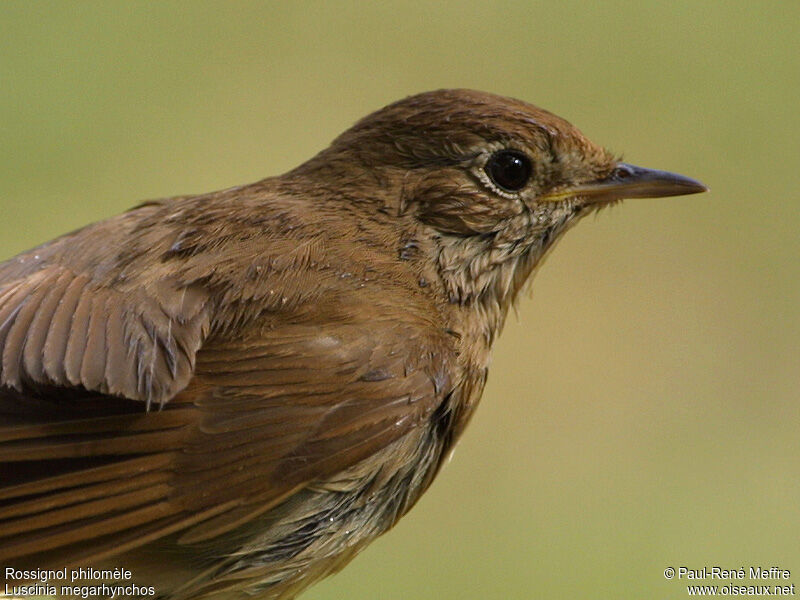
642,410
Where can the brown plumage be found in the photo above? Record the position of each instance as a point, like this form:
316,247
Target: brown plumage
232,394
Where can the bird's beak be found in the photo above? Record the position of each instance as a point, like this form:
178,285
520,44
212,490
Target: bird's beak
630,181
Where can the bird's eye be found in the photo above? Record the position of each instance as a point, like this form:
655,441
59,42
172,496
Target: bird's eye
509,170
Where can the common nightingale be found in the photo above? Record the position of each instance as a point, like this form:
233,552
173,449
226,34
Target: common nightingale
232,394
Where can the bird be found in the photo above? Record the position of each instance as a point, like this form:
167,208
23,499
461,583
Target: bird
232,394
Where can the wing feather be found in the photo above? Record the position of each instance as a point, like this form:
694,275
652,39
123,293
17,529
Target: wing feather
54,349
227,447
278,417
59,329
19,321
310,387
33,354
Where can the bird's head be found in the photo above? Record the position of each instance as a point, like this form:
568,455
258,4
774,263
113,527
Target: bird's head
493,180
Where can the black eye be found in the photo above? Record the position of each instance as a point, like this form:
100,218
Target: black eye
509,170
